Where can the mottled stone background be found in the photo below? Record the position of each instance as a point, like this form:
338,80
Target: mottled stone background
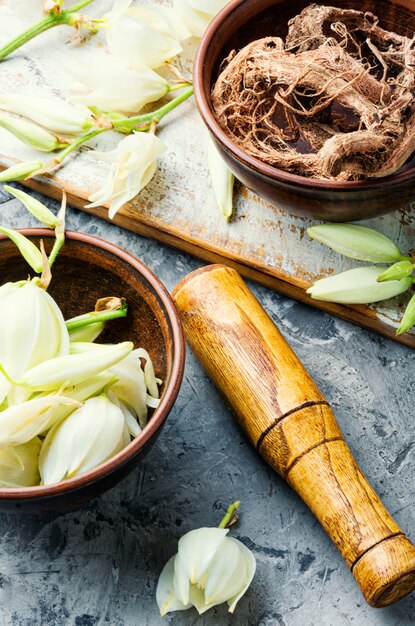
99,565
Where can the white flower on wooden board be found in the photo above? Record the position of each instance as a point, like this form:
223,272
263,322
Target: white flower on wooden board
138,36
53,113
358,286
197,14
110,87
135,160
222,180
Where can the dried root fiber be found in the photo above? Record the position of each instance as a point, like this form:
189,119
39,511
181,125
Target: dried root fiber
334,101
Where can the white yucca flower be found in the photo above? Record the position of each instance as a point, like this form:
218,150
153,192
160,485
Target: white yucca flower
32,330
52,113
111,87
222,180
135,163
85,439
197,14
19,465
138,36
208,569
74,368
358,286
19,423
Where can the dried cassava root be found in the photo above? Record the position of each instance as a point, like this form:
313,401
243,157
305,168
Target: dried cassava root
334,101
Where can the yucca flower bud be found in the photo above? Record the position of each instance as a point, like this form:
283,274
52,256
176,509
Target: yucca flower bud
21,422
397,271
357,286
408,319
30,134
20,171
19,465
357,242
27,249
35,207
52,113
74,368
85,439
222,180
86,333
208,569
32,330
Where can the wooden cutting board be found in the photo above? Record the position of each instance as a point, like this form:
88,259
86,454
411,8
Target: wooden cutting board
178,207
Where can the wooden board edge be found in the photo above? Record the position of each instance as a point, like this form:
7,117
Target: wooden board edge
360,315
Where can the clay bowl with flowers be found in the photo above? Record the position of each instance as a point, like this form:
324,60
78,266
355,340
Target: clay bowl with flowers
86,270
291,180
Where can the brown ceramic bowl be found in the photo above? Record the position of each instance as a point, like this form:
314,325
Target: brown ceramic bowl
89,268
243,21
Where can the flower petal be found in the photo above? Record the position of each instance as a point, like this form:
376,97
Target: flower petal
197,549
250,565
165,597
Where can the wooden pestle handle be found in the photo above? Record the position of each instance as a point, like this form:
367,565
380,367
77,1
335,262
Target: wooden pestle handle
291,425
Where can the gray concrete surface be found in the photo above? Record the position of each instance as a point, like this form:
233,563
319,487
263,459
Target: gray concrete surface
99,565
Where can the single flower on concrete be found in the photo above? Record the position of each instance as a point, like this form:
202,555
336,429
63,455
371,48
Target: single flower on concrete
197,14
20,171
138,36
222,180
357,286
74,368
357,242
32,330
135,159
208,569
30,134
110,87
88,437
52,113
19,465
21,422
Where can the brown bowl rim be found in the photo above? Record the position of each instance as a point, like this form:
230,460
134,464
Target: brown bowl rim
169,395
203,104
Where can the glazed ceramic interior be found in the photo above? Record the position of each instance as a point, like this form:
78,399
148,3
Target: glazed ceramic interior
88,269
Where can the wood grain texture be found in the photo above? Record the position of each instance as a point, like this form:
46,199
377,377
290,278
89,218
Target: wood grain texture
178,207
292,426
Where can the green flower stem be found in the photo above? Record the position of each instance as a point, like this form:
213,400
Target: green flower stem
175,87
59,241
96,316
48,21
143,122
230,514
77,143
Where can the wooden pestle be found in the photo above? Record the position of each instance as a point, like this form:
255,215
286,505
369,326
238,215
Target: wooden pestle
290,423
